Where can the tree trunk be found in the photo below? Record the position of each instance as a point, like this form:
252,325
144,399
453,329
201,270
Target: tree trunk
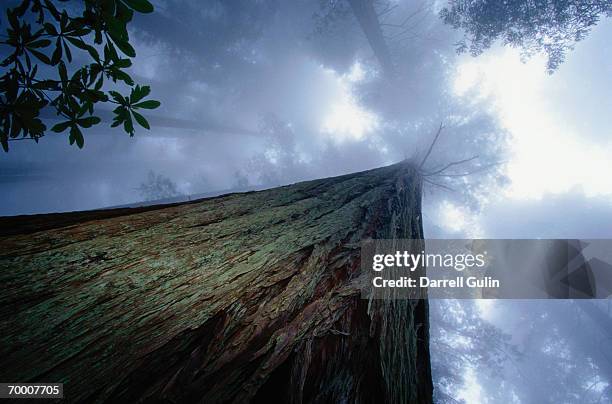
251,297
370,25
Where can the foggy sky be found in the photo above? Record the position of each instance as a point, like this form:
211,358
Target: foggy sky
260,91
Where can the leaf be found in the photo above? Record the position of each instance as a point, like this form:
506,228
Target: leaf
64,18
150,104
99,83
110,53
142,6
50,28
123,76
74,105
45,85
13,20
141,120
60,127
52,10
82,45
68,53
21,9
123,63
82,108
8,60
62,71
37,128
121,114
41,43
4,141
138,93
89,121
123,13
128,126
118,97
99,95
116,28
126,48
41,56
28,63
57,53
93,53
16,127
77,135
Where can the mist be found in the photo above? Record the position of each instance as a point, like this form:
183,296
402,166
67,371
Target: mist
260,94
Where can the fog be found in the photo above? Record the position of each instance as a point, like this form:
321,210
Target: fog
266,93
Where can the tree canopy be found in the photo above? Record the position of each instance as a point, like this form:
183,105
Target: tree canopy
62,55
551,27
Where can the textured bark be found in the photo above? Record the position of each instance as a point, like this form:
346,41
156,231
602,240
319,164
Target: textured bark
244,297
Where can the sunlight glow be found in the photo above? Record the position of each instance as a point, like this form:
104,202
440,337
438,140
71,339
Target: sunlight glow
547,153
455,218
346,119
485,308
471,392
458,219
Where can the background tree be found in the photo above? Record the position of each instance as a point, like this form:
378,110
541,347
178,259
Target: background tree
559,346
551,27
386,26
157,186
463,340
39,71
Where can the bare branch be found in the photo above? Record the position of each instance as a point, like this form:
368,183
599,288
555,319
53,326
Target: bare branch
465,174
419,10
387,10
449,165
391,25
431,145
437,184
410,29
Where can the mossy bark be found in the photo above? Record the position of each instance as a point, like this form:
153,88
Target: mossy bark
250,297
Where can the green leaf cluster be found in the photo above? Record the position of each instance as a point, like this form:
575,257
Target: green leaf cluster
128,106
49,33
